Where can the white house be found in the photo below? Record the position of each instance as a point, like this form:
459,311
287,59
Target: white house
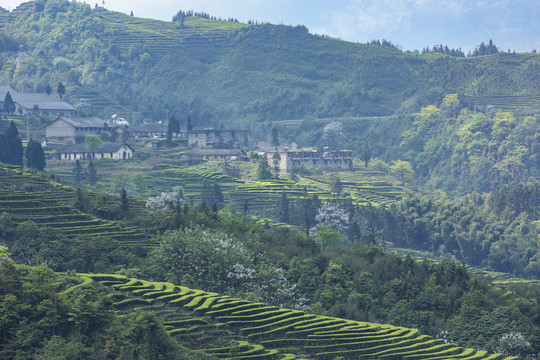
115,151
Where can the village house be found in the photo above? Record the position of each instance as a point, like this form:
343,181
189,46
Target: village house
73,130
115,151
39,104
220,138
147,131
313,158
216,155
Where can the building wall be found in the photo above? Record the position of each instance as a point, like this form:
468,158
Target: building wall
59,129
118,155
330,160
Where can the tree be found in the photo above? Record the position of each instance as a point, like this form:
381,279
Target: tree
274,139
48,89
366,155
61,90
91,173
403,171
335,184
93,143
189,125
333,135
173,127
78,172
305,210
11,149
9,104
261,170
283,209
35,157
450,104
276,159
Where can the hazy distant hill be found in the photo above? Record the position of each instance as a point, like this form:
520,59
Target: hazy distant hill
222,72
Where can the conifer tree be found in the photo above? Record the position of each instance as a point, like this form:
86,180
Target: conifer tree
61,90
283,209
274,137
11,149
35,157
78,172
9,104
91,173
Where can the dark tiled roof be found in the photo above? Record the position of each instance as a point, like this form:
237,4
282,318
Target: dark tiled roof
84,122
218,152
28,100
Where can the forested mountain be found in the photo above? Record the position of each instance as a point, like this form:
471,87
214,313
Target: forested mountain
225,72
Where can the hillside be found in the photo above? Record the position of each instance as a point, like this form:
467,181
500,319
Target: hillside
230,74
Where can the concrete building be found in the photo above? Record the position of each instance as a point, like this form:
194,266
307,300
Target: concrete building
231,139
314,158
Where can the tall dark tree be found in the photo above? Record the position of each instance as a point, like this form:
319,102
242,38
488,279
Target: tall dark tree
91,173
283,209
189,125
276,159
48,89
11,149
78,172
366,154
274,138
173,127
9,104
61,90
35,156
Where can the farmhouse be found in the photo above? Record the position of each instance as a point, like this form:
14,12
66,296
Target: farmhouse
216,155
316,158
39,104
115,151
147,131
220,138
72,130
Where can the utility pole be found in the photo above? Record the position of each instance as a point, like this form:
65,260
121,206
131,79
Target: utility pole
27,129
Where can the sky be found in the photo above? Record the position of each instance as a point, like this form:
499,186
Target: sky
411,24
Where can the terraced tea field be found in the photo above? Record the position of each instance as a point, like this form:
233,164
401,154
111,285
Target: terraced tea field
234,328
25,195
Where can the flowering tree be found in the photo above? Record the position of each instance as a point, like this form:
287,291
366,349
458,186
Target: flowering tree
334,217
333,135
163,201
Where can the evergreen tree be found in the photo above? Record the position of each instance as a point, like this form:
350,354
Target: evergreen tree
366,154
173,127
91,173
11,149
274,141
276,159
261,170
48,89
61,90
124,205
283,209
189,125
78,172
35,157
9,104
